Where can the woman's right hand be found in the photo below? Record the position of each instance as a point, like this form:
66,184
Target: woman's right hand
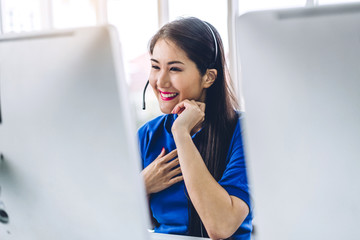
162,173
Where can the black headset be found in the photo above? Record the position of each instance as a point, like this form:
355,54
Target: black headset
4,217
146,85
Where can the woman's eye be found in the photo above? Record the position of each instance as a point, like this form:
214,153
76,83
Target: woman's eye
155,67
175,69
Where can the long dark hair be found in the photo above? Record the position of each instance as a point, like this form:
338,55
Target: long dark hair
196,39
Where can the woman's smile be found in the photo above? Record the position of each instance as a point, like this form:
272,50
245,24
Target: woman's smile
168,96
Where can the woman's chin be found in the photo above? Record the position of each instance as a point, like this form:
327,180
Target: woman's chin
165,110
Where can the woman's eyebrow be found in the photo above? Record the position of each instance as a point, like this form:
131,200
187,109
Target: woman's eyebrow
169,63
175,62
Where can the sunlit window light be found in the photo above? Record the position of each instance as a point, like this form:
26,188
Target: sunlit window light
21,15
73,13
255,5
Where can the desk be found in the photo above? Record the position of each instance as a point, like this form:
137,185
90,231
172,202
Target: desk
160,236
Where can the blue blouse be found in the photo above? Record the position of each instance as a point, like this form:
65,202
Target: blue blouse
170,206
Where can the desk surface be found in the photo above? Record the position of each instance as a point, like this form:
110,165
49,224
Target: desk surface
159,236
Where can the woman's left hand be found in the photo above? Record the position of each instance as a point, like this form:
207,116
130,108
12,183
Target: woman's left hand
191,115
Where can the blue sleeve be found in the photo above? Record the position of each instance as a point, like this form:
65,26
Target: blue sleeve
234,179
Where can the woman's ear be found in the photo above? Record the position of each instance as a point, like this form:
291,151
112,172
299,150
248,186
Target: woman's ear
209,77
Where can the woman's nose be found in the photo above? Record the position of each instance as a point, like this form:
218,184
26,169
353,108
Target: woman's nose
163,80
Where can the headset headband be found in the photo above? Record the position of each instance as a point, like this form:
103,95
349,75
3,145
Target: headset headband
215,42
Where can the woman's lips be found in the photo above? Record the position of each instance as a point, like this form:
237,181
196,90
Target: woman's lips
167,96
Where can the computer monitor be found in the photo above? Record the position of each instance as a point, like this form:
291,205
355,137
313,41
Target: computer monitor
300,77
70,166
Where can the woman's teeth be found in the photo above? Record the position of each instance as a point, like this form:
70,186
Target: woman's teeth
168,95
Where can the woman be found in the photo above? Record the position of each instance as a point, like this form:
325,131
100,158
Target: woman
194,167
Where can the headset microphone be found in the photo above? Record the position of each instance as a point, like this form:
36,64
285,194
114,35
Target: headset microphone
147,83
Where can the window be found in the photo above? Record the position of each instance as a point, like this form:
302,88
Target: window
34,15
136,22
73,13
212,11
254,5
21,15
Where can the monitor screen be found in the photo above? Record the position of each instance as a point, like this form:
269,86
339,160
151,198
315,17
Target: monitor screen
70,166
301,83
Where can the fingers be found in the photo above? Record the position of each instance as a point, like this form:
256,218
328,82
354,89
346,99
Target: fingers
172,154
159,174
162,153
173,163
180,107
175,172
172,168
169,156
175,180
201,105
166,157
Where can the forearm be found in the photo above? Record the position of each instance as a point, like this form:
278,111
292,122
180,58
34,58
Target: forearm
212,202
